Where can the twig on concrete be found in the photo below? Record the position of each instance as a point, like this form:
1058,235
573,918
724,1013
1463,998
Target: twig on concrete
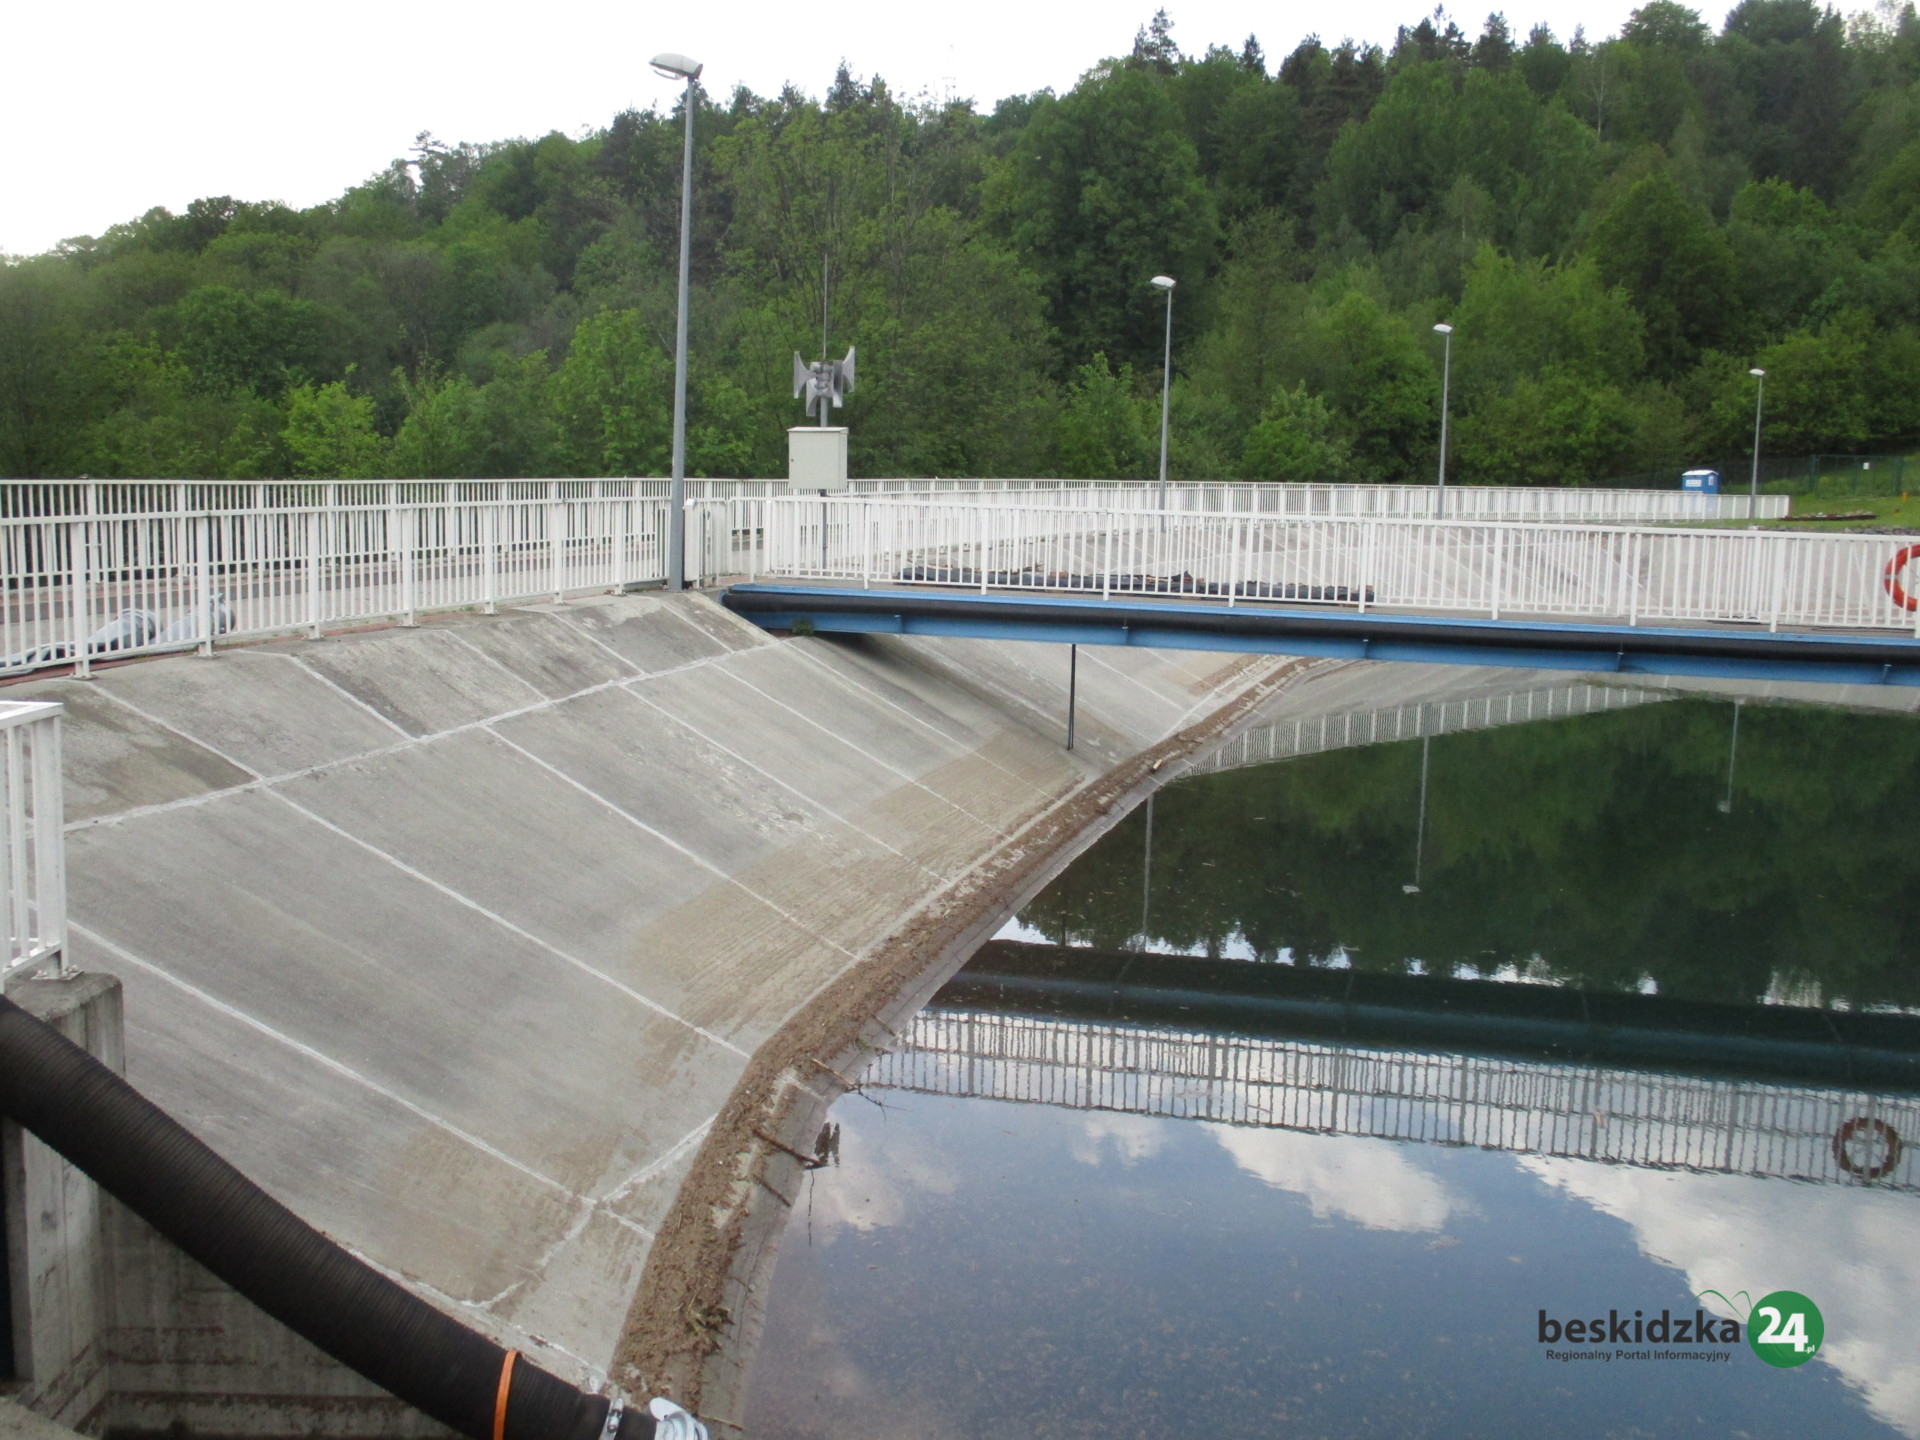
810,1162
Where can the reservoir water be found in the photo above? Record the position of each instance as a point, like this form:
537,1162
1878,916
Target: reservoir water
1329,1096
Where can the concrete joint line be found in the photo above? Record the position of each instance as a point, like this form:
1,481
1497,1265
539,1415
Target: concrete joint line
565,618
1037,825
320,1057
528,1344
520,680
813,659
653,1167
806,719
1212,696
774,779
474,905
1043,723
335,685
1093,654
259,781
667,840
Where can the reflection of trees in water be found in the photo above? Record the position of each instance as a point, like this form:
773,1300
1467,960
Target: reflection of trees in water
1598,844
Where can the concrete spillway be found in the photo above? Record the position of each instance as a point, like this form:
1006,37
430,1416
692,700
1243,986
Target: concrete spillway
457,938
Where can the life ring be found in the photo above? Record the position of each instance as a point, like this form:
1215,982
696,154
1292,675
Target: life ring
1890,577
1888,1135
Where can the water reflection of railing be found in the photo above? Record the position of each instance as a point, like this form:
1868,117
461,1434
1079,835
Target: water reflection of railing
1311,735
1587,1112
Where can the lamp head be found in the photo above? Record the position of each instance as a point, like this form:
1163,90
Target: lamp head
1756,372
1443,329
1163,282
677,67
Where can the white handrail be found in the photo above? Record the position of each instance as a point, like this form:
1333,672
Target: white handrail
1457,502
1591,571
82,588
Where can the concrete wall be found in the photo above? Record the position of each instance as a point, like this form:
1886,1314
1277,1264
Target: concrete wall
116,1330
456,938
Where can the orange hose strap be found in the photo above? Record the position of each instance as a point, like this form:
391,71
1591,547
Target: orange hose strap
500,1401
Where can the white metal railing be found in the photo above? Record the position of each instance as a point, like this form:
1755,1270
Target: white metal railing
1775,578
1590,1112
79,498
1456,502
79,589
1315,734
33,867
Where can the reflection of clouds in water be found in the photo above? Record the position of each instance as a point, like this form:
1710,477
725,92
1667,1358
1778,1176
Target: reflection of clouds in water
811,1361
1854,1252
1374,1183
1135,1138
879,1173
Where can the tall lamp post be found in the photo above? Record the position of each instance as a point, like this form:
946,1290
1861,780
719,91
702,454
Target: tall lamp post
1446,377
1166,283
680,67
1759,395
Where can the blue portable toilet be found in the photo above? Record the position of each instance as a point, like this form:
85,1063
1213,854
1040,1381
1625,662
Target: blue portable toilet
1701,482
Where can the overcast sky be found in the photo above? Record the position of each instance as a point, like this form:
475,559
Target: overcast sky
111,108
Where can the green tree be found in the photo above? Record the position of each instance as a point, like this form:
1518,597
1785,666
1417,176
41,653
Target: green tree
1101,192
1103,434
1679,270
614,399
330,433
259,341
1297,438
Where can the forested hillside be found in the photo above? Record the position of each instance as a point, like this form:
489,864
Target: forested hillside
1616,229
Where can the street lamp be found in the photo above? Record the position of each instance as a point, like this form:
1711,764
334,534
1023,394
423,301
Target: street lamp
1759,394
679,67
1446,376
1166,283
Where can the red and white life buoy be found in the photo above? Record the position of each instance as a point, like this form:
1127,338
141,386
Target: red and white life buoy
1883,1132
1890,577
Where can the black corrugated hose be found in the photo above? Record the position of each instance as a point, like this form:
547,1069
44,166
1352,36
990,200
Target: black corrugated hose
147,1160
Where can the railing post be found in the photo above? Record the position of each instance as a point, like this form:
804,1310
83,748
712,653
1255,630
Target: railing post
1633,577
865,512
619,527
1498,567
1236,561
79,598
1369,549
315,528
1779,583
490,560
556,523
203,597
407,521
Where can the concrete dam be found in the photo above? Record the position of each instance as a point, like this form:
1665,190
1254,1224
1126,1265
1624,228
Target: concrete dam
500,948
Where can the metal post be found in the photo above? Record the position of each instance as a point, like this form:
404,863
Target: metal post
79,601
1759,395
1073,688
677,490
313,574
491,587
1446,378
1166,399
407,537
204,602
